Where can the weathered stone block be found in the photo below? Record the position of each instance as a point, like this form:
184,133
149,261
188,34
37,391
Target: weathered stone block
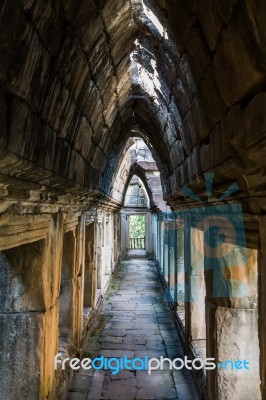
187,132
180,11
20,367
198,52
210,22
225,8
211,100
49,24
231,71
237,339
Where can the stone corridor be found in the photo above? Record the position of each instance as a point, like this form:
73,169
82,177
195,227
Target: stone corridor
135,321
112,109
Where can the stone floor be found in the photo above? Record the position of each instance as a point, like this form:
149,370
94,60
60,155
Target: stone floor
135,322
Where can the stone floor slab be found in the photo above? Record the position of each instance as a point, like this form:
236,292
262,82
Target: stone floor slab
76,396
135,321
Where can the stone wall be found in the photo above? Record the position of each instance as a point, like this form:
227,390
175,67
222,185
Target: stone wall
48,285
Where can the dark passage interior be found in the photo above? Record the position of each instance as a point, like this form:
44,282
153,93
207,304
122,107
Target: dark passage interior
117,108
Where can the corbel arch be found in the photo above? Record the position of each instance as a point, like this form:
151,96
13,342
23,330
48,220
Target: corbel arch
138,171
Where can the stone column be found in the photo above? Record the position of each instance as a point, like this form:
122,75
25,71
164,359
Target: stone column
187,270
49,387
160,247
90,278
107,244
68,300
197,292
79,278
117,238
172,264
194,284
180,279
157,235
162,244
231,308
112,245
154,235
148,239
165,250
262,303
124,234
99,249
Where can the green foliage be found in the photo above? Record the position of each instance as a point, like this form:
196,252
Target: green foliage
137,226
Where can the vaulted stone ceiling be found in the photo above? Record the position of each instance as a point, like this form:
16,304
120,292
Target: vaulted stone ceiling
78,78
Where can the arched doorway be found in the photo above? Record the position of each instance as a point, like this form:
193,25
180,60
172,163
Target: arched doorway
136,221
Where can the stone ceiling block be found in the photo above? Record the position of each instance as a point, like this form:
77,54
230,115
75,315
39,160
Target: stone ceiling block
234,61
210,22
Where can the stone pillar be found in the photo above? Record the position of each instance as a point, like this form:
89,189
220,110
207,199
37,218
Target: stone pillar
194,285
187,270
172,264
231,309
117,238
107,244
157,235
112,259
180,279
197,292
99,249
149,239
262,303
50,385
67,299
124,234
154,234
165,251
90,278
79,279
160,241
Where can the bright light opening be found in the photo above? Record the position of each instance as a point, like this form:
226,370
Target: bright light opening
152,17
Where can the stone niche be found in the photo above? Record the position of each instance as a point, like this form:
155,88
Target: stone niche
22,318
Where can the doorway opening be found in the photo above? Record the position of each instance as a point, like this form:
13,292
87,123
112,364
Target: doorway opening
137,231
